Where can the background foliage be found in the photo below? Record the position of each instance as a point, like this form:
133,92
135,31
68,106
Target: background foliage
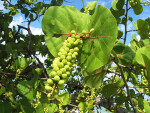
23,76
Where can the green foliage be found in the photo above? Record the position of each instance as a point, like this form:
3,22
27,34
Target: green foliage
88,63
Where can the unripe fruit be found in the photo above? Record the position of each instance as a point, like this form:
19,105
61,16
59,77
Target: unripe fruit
61,87
50,81
59,54
56,91
48,88
53,73
73,35
54,65
56,78
84,32
68,45
73,32
64,76
77,37
61,82
62,57
75,53
76,49
66,49
64,61
69,54
71,50
74,56
63,70
56,69
91,30
67,67
68,58
60,65
59,73
49,95
68,73
69,63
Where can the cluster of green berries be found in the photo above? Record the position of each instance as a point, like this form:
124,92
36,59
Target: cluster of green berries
38,96
64,64
133,2
145,83
146,3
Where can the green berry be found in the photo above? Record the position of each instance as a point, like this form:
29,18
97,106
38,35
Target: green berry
61,87
84,32
68,73
77,37
59,73
64,76
59,53
56,78
67,67
60,65
73,32
76,49
68,58
56,69
74,56
53,73
49,95
64,61
62,57
48,88
50,81
61,82
63,70
71,50
91,30
75,53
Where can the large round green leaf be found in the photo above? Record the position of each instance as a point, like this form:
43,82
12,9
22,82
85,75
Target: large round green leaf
95,52
58,22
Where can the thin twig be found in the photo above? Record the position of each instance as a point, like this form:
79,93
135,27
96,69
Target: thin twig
125,82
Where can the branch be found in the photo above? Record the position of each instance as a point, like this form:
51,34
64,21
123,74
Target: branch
125,82
126,15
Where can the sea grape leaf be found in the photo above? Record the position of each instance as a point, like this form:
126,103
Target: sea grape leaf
63,98
61,20
57,26
51,107
94,80
119,47
144,50
136,6
82,107
148,20
147,64
26,106
127,56
4,105
117,4
143,28
111,88
146,106
140,102
95,52
26,88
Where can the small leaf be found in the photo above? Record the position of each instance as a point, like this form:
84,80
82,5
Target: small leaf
143,28
117,4
63,98
25,88
82,107
94,80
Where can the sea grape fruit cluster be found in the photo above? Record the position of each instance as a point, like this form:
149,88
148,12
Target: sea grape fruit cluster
64,64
